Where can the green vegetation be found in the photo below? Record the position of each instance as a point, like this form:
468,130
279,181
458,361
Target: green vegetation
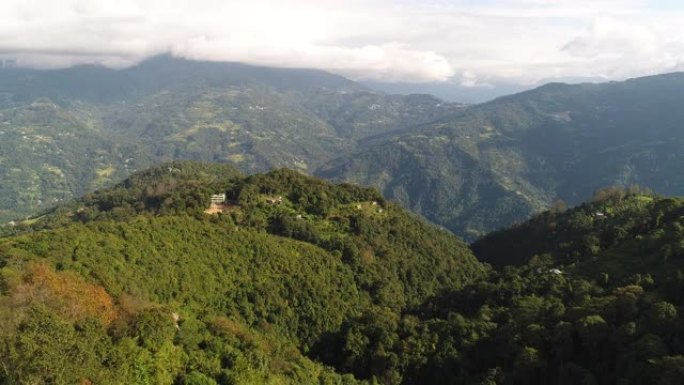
136,284
491,165
614,216
470,169
293,280
67,132
597,299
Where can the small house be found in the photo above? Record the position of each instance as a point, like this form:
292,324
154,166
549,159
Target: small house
218,199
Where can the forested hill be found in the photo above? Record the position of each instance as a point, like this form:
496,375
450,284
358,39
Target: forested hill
623,230
293,280
597,298
70,131
149,283
490,165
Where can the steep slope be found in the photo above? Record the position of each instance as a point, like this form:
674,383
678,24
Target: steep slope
496,163
600,302
294,280
138,283
163,109
49,154
617,223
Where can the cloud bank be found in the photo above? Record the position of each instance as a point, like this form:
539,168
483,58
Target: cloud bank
470,42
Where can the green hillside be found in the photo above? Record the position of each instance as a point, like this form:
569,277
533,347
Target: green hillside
66,132
136,284
293,280
594,300
597,297
469,169
490,165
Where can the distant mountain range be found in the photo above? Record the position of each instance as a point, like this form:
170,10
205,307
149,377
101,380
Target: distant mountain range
65,132
492,164
470,169
452,91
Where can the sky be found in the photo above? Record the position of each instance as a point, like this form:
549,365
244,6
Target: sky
466,42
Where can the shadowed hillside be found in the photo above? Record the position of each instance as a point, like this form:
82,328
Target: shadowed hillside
493,164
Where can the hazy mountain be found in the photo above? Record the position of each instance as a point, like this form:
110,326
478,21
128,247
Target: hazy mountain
69,131
471,169
452,91
476,93
496,163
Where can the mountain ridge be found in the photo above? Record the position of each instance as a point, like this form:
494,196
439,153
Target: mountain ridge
470,169
554,142
257,118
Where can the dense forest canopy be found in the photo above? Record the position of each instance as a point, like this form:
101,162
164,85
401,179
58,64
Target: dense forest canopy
293,280
137,284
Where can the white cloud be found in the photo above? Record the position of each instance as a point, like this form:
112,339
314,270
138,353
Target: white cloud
622,48
472,42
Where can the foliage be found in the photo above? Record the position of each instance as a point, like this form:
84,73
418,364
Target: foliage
174,295
491,165
568,314
67,132
299,281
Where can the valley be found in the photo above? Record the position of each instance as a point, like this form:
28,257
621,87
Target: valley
338,192
67,132
471,169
